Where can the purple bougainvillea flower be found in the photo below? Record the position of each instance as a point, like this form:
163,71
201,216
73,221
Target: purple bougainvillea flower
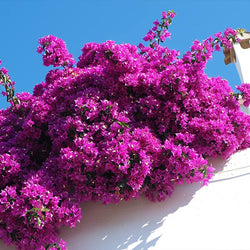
124,121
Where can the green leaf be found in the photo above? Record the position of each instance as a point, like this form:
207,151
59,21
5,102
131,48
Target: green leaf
39,222
123,124
34,209
45,209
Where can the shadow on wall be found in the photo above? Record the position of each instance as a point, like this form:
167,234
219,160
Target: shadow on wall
135,224
127,225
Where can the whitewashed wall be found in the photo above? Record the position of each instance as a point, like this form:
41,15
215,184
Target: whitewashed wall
244,109
242,63
242,60
216,217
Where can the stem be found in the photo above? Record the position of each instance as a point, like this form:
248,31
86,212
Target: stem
9,88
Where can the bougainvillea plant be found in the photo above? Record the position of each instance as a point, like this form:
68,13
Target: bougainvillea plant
124,121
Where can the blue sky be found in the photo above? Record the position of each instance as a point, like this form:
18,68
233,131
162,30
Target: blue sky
78,22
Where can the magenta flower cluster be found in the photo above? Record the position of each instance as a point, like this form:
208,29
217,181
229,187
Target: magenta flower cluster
160,32
54,52
125,121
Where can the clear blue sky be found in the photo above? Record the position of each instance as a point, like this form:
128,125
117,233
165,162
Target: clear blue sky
77,22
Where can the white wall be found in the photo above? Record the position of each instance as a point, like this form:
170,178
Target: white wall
197,218
244,109
242,64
